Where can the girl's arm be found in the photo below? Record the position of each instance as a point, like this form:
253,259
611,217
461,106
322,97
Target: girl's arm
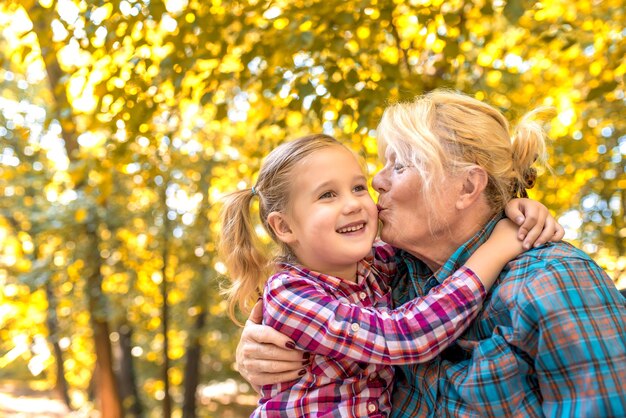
415,332
490,258
258,357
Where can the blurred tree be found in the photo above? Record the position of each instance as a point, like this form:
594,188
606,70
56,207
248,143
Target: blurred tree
123,122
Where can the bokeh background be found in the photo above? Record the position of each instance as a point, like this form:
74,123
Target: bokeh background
123,122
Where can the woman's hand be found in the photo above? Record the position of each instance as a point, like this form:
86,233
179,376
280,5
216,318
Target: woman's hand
265,356
536,225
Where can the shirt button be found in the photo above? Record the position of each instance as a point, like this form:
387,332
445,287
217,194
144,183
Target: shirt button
355,327
433,282
371,407
362,295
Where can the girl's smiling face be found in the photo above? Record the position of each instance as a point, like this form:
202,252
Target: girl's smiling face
331,220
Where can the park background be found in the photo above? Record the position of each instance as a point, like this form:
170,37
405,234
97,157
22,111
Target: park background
122,123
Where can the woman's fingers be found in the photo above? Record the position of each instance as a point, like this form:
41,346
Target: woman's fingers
263,364
260,350
261,379
275,367
265,356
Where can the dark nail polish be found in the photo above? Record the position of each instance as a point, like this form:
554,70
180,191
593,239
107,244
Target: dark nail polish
306,362
306,356
301,372
290,345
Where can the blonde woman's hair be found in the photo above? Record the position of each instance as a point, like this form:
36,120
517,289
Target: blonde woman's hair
444,132
246,259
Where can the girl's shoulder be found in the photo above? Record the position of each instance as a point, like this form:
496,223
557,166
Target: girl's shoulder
382,251
290,274
382,260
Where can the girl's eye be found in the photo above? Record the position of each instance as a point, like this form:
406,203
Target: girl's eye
360,188
326,195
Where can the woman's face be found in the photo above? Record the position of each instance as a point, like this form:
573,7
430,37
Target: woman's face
404,211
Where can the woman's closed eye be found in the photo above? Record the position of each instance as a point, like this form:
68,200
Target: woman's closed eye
399,167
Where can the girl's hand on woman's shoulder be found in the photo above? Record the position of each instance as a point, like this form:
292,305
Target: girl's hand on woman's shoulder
536,225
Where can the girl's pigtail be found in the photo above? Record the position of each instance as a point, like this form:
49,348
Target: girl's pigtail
242,253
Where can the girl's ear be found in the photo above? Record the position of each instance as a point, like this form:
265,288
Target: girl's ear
278,222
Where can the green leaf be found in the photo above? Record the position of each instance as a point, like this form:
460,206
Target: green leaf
599,91
513,10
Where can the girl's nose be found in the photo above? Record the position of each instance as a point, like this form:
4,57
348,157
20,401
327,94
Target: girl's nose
352,204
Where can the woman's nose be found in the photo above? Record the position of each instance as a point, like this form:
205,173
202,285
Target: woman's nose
378,182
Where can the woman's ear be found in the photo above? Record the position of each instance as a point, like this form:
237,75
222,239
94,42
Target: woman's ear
278,222
474,183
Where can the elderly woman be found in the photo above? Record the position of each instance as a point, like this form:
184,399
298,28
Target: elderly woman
551,339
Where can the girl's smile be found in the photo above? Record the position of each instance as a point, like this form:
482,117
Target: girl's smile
332,220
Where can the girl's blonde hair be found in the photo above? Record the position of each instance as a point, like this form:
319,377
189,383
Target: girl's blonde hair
444,132
240,248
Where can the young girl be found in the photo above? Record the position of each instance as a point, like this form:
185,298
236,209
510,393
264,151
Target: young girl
330,292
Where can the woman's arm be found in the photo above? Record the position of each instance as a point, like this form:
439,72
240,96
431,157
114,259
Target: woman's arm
265,356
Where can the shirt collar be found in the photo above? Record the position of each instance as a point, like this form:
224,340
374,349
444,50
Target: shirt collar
419,270
362,272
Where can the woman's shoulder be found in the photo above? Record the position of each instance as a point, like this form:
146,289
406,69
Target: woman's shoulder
548,275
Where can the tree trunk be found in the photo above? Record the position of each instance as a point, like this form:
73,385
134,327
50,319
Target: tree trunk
192,367
167,402
107,397
60,386
61,109
128,378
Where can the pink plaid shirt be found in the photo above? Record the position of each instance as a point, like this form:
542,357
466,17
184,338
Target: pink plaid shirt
354,337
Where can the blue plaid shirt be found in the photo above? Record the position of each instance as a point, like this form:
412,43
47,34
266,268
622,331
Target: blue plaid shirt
550,341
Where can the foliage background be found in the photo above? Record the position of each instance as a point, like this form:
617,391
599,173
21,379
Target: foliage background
122,123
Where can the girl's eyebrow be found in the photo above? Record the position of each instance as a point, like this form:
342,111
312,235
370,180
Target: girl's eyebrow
322,186
329,183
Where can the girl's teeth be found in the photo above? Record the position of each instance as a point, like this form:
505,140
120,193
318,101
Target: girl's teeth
351,229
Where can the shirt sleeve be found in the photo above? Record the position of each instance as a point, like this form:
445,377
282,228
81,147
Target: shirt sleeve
414,332
557,346
572,323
